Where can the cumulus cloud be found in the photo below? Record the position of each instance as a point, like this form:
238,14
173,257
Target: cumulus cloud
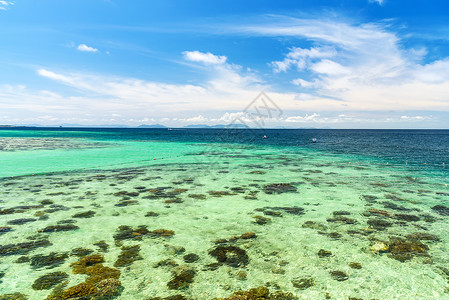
206,58
85,48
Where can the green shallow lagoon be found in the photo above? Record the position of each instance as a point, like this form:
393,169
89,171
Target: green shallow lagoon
303,222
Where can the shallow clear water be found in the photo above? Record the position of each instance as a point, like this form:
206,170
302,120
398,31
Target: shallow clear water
367,218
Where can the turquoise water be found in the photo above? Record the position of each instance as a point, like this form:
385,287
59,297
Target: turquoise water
306,222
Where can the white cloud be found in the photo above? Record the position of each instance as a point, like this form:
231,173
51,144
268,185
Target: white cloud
4,4
301,119
302,58
356,66
206,58
85,48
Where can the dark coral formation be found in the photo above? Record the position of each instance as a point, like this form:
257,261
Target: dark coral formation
303,283
260,293
261,220
5,229
86,214
49,261
401,249
404,250
22,248
244,236
80,266
174,297
102,282
102,245
378,224
128,233
21,221
182,278
279,188
50,280
57,228
14,296
276,211
342,220
128,256
81,252
441,209
230,255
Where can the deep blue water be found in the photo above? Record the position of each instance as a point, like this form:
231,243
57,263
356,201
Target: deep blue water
428,148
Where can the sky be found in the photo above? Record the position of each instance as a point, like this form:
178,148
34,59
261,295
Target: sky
321,63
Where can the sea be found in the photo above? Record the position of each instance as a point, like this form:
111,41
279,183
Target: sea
118,213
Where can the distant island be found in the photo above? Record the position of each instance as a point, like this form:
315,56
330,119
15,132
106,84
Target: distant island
160,126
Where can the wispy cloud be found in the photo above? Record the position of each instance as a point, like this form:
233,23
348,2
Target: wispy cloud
4,4
85,48
380,2
362,66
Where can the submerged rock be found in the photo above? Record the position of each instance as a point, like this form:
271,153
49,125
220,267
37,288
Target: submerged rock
339,275
151,214
191,257
261,220
355,265
324,253
230,255
50,280
248,235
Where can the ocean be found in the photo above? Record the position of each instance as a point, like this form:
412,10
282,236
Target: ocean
223,213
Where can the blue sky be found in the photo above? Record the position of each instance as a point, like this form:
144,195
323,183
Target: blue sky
343,64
